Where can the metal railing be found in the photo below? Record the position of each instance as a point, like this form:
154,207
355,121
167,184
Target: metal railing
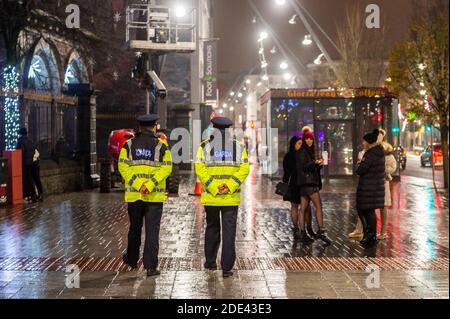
154,24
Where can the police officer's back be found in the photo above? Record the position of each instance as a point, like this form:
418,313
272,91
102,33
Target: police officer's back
145,163
221,166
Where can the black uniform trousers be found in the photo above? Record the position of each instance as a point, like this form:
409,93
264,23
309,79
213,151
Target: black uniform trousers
213,232
151,213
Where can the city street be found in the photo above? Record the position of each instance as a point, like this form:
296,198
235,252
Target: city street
117,115
414,169
88,229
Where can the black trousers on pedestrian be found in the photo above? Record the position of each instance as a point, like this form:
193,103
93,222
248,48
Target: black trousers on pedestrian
368,219
36,175
28,181
213,232
150,213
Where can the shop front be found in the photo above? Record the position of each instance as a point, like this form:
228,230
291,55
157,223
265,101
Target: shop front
339,119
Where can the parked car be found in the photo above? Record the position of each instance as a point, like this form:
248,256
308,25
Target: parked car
400,155
432,152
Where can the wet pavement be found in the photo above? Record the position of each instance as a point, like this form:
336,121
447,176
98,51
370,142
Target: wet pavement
89,230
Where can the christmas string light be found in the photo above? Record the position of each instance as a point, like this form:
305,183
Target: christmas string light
12,116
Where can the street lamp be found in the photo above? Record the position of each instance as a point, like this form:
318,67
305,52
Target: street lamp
307,40
318,61
284,65
292,20
280,2
248,81
180,11
262,36
287,76
225,105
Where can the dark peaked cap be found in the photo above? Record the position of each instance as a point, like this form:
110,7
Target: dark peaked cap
148,120
221,122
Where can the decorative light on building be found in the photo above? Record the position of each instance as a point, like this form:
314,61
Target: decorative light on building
422,66
12,115
239,95
263,64
35,69
69,75
307,41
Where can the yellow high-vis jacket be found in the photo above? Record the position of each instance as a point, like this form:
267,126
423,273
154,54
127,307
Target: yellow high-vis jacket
145,159
217,167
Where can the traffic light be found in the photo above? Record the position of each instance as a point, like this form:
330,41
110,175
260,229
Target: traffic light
395,130
428,128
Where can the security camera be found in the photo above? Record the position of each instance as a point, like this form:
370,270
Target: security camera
161,90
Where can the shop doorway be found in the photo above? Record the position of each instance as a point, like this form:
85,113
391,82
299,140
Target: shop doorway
337,138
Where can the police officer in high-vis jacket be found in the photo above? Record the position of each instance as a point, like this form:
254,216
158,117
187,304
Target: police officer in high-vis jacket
221,166
145,163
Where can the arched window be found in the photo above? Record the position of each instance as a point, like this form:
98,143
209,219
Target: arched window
43,72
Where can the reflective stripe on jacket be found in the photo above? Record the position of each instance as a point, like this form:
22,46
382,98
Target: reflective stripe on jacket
213,171
145,159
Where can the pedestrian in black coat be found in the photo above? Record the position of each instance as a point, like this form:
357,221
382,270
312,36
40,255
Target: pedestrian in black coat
310,181
370,192
26,145
290,177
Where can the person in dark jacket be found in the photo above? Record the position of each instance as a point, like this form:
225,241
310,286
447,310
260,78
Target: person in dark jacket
310,181
290,177
27,146
370,192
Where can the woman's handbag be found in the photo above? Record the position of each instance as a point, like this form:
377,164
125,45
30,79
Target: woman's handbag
282,189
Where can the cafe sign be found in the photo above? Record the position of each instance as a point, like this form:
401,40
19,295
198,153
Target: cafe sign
324,93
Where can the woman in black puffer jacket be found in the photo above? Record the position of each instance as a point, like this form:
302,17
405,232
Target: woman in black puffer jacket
370,193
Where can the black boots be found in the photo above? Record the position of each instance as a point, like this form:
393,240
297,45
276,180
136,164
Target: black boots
153,272
369,222
323,236
125,261
311,232
304,238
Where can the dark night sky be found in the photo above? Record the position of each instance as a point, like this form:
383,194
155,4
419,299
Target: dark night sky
238,47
